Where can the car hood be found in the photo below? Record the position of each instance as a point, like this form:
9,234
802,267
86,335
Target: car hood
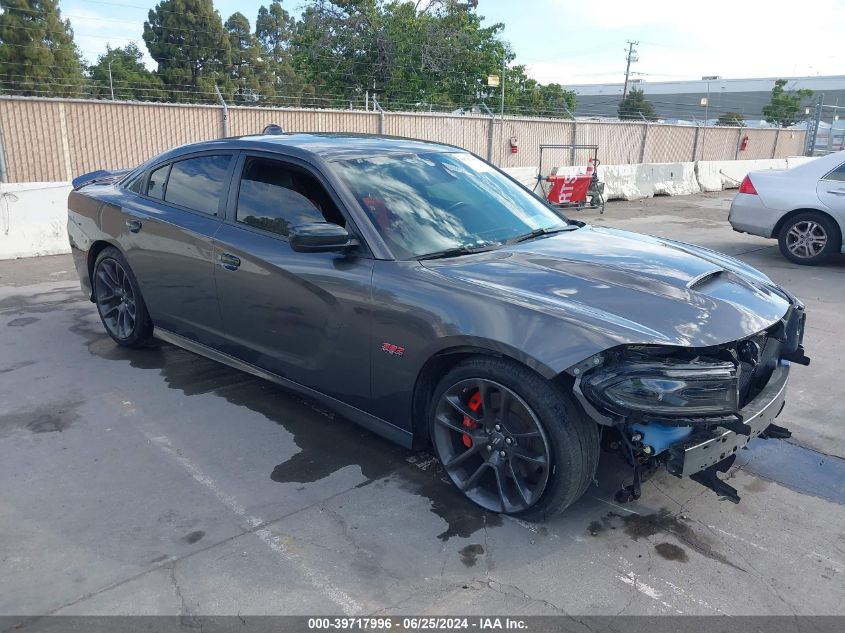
632,288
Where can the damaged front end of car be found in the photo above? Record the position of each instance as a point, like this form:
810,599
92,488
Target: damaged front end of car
689,409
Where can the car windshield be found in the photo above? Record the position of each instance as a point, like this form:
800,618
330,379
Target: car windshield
430,203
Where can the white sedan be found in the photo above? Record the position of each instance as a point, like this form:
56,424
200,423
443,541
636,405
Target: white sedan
803,207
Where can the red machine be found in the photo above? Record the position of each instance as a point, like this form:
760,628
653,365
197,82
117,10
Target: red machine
577,190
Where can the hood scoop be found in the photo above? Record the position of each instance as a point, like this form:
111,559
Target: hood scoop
696,283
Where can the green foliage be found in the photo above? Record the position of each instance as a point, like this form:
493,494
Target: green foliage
784,107
281,84
131,79
735,119
412,56
38,56
187,39
247,68
636,106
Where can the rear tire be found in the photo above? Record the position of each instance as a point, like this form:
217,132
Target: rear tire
119,301
809,238
510,440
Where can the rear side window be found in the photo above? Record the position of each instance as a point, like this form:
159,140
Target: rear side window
135,183
158,178
837,174
197,183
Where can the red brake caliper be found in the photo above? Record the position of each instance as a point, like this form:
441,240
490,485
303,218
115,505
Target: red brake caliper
474,405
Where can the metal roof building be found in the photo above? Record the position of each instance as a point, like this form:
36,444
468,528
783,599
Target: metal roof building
681,100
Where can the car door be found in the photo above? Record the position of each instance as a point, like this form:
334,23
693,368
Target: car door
167,239
831,191
303,316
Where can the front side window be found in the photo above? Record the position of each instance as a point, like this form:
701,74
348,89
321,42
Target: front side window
274,196
426,203
837,174
198,183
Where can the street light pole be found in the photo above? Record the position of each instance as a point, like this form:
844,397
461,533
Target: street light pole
111,83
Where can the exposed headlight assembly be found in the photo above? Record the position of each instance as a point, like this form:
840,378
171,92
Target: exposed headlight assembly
668,388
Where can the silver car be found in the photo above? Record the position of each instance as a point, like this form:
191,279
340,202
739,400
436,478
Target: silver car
803,208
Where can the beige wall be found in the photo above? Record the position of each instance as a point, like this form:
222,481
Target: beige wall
54,139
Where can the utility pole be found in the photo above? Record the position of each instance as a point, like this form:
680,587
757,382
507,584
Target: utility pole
111,83
631,57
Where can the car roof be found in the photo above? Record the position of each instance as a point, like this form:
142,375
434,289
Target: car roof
327,146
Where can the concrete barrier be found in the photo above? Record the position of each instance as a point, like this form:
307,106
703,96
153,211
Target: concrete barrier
717,175
794,161
33,219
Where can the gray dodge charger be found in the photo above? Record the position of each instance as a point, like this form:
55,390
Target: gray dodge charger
421,292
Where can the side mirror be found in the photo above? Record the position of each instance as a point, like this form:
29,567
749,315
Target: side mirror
320,237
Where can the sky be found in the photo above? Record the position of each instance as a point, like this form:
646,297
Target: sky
584,41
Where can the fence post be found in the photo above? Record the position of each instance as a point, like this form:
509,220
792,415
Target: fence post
695,145
4,176
225,112
490,126
645,139
775,146
377,106
65,142
738,141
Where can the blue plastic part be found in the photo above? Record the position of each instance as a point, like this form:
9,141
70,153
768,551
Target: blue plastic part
662,436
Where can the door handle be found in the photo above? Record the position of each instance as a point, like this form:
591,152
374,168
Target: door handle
133,225
837,192
229,261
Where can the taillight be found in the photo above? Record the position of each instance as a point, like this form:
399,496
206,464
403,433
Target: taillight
747,186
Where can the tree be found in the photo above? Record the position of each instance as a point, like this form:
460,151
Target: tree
187,39
38,56
247,67
636,106
784,107
736,119
129,77
412,55
274,29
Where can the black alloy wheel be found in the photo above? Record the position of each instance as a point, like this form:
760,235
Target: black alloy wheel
511,440
119,301
492,445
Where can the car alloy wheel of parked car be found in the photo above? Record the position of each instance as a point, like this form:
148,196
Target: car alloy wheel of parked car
119,301
509,440
808,238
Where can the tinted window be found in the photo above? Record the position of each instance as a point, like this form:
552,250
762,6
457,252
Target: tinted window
274,196
837,174
158,178
197,183
134,184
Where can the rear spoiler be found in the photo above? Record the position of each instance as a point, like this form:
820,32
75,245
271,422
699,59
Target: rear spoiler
101,175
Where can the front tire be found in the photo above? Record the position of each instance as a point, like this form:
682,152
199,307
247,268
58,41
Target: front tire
119,301
809,238
510,440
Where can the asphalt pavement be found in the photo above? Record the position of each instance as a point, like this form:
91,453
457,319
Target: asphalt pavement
158,482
